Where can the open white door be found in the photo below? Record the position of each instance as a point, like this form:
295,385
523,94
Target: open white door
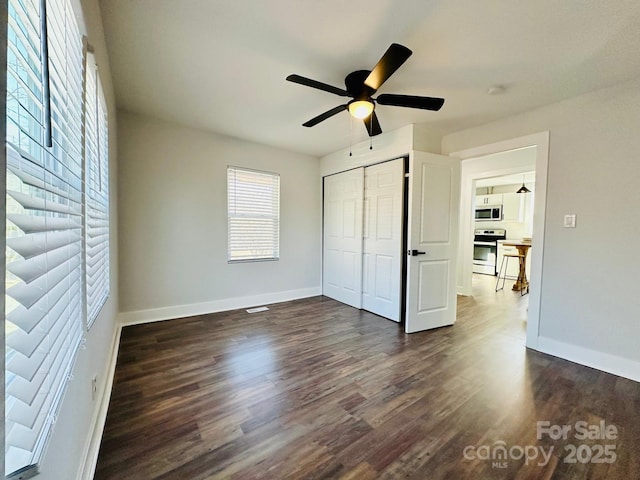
434,196
342,248
382,235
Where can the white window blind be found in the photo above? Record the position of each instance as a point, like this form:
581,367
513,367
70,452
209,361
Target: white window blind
253,214
44,296
96,193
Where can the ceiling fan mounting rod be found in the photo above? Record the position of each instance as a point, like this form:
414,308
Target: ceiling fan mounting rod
356,87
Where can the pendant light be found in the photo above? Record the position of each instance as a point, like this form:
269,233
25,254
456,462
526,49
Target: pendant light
523,189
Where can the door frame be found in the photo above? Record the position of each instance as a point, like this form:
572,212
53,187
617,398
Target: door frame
539,140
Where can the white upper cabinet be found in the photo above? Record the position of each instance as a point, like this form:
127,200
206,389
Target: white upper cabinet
512,207
493,199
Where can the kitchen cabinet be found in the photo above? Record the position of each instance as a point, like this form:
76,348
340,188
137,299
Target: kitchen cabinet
512,207
493,199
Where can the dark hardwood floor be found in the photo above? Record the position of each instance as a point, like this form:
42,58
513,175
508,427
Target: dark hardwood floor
316,389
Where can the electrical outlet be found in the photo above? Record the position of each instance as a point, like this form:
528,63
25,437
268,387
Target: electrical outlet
94,387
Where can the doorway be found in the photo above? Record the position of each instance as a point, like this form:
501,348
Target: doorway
515,156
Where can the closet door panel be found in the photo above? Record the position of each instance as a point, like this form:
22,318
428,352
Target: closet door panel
382,239
342,245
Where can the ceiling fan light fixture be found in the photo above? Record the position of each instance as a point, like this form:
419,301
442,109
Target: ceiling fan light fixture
360,108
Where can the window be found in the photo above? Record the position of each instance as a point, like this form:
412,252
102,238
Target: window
51,224
96,185
253,214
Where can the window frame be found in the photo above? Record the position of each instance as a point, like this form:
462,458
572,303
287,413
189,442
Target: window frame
96,190
275,218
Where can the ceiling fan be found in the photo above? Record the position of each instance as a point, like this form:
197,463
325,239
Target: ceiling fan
362,84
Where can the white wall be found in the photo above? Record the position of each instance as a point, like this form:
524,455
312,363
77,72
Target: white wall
386,146
72,432
173,222
589,306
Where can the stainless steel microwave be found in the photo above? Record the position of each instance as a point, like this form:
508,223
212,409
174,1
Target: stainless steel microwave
488,213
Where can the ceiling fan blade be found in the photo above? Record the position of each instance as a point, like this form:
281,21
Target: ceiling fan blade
315,84
411,101
325,115
372,125
392,59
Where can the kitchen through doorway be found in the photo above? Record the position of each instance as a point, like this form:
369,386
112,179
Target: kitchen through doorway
503,225
490,179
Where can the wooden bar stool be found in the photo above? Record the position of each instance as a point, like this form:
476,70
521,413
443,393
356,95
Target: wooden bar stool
503,266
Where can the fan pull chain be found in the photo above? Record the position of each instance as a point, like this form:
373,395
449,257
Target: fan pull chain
371,131
350,135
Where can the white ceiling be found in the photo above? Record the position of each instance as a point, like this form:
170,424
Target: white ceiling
220,65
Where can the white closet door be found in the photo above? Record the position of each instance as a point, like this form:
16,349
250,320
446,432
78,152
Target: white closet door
382,260
342,246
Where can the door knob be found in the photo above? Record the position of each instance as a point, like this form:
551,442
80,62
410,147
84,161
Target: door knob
415,253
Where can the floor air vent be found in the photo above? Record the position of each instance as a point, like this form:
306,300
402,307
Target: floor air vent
257,309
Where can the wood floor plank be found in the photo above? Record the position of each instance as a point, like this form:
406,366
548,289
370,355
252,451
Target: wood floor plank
317,389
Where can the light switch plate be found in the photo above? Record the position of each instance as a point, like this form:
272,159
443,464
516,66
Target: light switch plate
570,220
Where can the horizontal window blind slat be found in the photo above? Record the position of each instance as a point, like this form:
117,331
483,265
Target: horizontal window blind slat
99,286
28,318
32,223
31,203
25,437
34,267
97,239
34,175
99,272
95,263
34,244
28,294
24,411
23,388
253,256
98,217
100,290
100,252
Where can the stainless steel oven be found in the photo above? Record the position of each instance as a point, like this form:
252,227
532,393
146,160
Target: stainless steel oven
485,250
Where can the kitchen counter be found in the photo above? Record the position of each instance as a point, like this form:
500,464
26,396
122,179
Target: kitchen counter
514,242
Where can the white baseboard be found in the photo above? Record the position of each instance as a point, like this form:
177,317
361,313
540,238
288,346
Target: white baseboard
606,362
180,311
461,291
88,466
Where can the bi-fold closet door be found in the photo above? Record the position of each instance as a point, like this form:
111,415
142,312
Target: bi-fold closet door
363,239
363,233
